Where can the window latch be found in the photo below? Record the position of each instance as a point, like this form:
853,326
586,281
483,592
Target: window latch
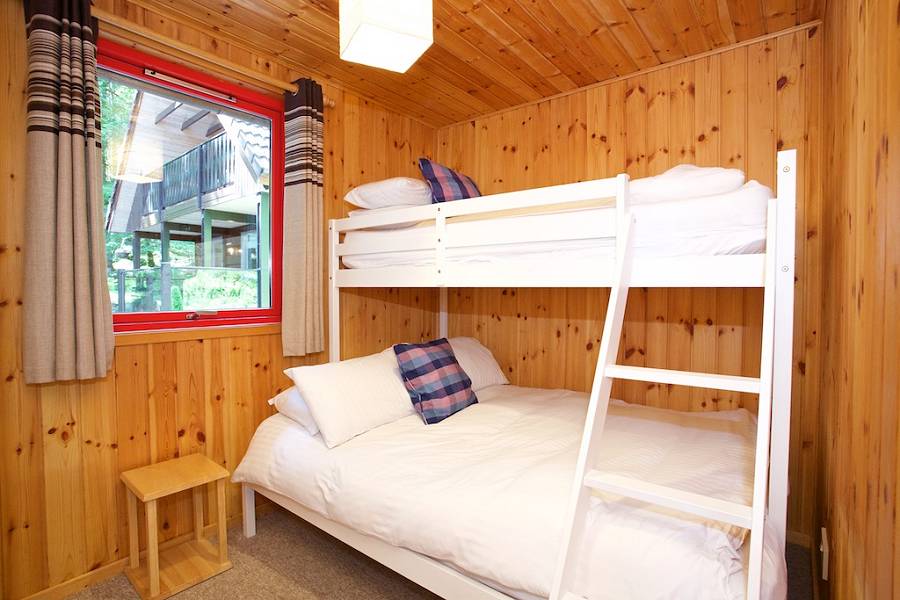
193,316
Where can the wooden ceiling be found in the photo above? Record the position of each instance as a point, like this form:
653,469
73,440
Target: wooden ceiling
492,54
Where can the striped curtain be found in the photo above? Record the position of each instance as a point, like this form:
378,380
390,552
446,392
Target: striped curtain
301,320
67,326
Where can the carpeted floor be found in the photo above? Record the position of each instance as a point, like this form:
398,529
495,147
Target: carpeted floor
290,559
799,565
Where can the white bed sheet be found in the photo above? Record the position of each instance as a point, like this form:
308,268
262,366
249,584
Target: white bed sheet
485,492
733,223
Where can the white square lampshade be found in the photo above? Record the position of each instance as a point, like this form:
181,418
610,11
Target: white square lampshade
388,34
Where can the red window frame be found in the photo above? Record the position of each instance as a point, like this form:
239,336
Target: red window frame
128,61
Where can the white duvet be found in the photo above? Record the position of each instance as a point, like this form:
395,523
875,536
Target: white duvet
485,491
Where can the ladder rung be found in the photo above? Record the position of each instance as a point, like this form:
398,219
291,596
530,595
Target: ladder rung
711,381
689,502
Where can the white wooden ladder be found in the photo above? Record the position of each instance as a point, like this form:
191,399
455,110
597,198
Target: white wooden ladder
588,479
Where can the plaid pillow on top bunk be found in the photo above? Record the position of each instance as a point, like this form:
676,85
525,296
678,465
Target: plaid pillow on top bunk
447,184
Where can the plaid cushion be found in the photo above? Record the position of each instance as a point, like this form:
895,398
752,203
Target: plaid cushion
446,184
437,385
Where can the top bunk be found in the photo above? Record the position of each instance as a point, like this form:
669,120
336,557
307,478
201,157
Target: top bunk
702,230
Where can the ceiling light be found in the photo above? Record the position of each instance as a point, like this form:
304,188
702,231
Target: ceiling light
388,34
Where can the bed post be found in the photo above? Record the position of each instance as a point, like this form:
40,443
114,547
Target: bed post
621,210
786,207
440,229
334,295
248,510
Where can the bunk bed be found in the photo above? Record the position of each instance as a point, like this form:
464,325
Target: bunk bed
577,235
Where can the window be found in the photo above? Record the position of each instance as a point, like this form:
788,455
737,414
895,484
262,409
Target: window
193,172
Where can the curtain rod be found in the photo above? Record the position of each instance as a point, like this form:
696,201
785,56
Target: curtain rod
144,32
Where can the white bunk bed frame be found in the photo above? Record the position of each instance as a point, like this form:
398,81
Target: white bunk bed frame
773,271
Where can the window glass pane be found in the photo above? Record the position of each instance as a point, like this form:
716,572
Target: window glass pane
186,198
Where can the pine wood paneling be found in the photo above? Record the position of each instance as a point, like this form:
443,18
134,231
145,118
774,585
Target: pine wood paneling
22,508
487,55
734,108
859,223
62,446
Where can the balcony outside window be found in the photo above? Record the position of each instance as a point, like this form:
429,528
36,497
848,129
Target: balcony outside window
187,194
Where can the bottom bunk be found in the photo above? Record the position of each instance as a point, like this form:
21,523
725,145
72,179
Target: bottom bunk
485,493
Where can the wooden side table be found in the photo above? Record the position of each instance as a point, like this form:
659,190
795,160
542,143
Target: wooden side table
178,567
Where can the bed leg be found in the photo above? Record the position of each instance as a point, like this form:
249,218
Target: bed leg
248,506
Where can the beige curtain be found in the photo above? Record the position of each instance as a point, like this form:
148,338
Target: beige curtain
67,331
301,313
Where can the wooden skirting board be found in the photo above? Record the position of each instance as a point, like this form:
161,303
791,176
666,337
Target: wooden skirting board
72,586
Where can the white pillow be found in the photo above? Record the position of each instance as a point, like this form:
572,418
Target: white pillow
683,182
290,403
397,191
375,211
478,363
351,397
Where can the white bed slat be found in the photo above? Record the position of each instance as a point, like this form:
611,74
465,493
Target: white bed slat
569,193
741,270
400,216
524,232
549,196
669,497
529,232
729,270
387,277
356,246
712,381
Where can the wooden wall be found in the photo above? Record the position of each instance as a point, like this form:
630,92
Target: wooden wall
859,472
62,446
736,108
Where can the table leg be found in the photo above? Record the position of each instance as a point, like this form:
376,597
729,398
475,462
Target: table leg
223,525
198,512
152,548
134,553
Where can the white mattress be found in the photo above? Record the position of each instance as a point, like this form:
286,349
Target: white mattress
733,223
485,492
